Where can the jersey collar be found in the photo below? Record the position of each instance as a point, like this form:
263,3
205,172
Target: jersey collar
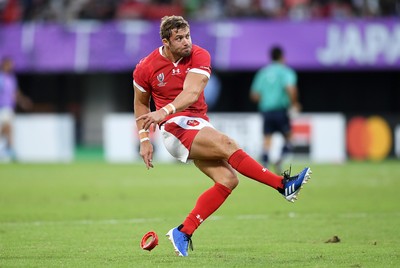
174,63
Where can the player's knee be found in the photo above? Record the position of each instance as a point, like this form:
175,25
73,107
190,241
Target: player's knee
234,182
230,181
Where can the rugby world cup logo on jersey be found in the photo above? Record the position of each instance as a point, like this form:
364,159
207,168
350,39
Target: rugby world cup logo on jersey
160,78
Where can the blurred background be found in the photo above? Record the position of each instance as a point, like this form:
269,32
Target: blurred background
74,60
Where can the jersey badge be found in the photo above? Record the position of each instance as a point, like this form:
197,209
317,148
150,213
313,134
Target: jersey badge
193,123
160,78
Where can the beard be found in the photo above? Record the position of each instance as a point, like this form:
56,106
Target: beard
183,52
186,52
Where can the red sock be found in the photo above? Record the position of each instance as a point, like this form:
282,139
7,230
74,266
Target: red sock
249,167
207,203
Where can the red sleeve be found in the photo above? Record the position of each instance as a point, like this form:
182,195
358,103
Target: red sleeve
140,77
201,62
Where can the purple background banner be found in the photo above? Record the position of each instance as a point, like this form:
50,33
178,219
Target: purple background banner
234,44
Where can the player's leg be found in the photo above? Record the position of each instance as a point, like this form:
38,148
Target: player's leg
225,180
3,140
284,127
212,144
285,153
267,136
267,139
5,134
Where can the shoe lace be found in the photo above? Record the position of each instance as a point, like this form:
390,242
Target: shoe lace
286,174
190,242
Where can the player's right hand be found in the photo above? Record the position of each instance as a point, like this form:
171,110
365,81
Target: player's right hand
152,118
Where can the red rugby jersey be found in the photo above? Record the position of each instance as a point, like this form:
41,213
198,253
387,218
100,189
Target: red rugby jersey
164,79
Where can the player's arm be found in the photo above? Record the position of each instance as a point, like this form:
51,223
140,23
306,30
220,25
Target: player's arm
291,89
141,106
293,96
141,103
193,86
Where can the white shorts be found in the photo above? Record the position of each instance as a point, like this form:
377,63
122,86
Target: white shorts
178,135
6,115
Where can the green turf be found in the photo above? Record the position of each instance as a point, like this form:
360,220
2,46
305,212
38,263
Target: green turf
93,214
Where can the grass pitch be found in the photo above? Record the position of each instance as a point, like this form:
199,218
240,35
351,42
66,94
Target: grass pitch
93,214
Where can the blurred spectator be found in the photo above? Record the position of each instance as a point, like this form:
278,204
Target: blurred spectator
158,9
331,9
10,96
98,10
390,8
37,10
10,11
204,10
366,8
298,9
318,10
340,9
146,9
130,9
272,8
71,9
241,8
66,10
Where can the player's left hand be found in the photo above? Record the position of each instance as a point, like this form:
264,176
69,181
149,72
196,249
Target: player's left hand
146,152
152,118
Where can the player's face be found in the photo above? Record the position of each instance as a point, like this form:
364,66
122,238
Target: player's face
180,43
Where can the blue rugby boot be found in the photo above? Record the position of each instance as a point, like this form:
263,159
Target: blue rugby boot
292,185
181,241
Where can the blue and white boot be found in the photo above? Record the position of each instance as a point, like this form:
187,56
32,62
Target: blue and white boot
181,242
293,184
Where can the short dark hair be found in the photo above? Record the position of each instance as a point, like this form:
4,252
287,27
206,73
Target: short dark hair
168,23
276,53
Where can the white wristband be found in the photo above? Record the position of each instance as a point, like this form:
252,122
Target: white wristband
173,108
166,110
144,139
143,131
